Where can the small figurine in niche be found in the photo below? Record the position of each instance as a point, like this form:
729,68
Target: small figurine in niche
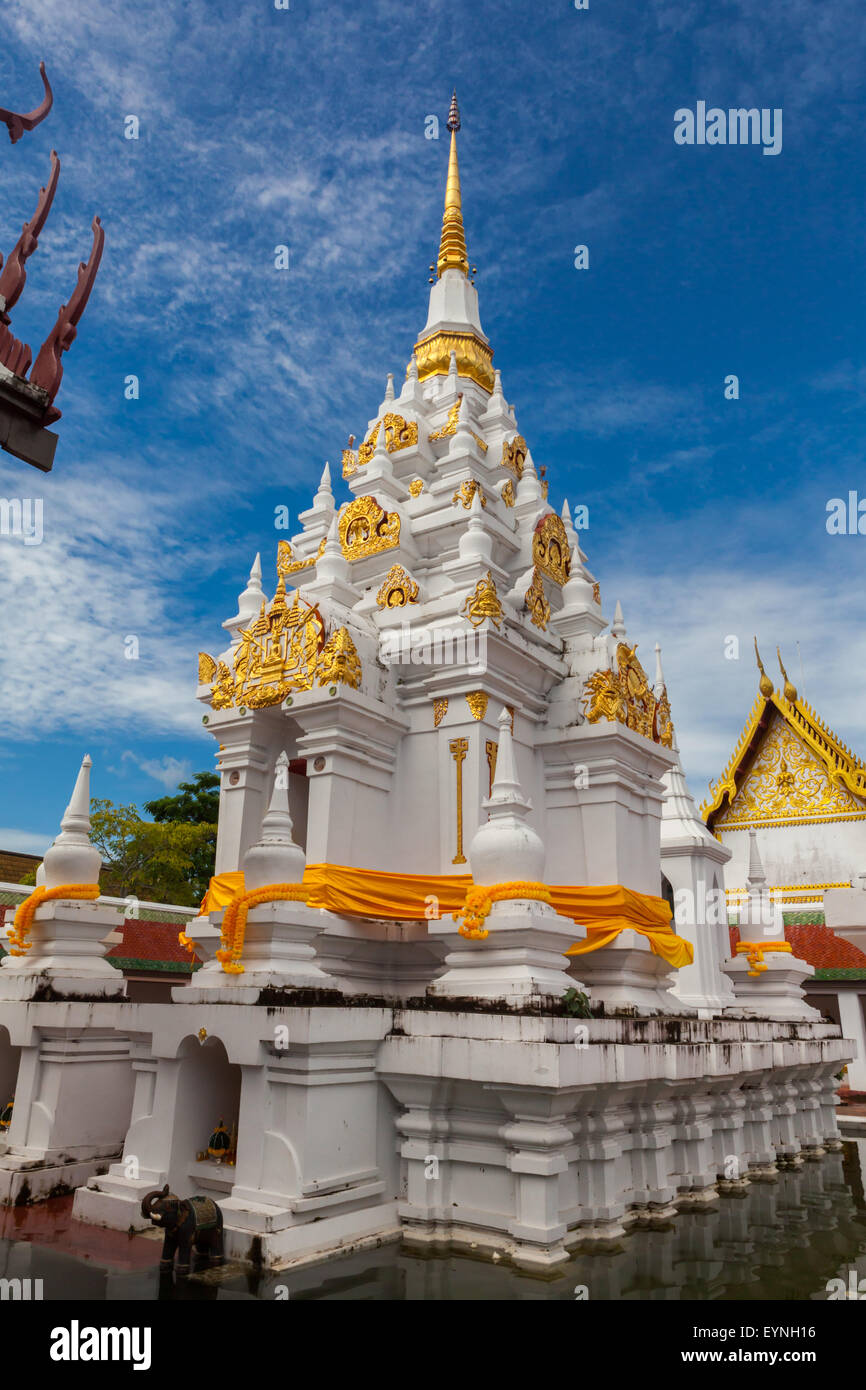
6,1114
219,1144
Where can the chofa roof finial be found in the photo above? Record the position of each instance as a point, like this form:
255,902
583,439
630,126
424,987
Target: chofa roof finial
765,685
790,688
17,124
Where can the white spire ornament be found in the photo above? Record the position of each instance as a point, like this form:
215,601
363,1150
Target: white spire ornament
275,858
72,858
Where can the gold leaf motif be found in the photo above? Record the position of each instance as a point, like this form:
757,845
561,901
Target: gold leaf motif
514,455
477,702
367,529
596,592
398,589
550,548
339,662
466,492
284,558
483,603
450,426
474,358
416,487
625,696
507,494
536,601
399,434
440,709
786,781
223,691
297,565
206,668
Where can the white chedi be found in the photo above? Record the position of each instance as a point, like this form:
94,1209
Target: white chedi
72,858
275,858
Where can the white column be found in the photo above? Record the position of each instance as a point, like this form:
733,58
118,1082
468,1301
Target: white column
851,1017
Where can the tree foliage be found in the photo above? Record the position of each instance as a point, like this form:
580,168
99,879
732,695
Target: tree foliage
159,861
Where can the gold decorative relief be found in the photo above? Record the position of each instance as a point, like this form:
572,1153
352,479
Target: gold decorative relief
536,601
339,662
466,492
450,426
596,592
284,558
367,529
416,487
483,603
625,695
786,781
477,702
550,548
440,709
507,494
459,748
350,459
223,689
514,455
297,565
491,749
398,589
399,434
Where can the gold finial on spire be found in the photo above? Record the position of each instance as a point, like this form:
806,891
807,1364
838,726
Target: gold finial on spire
790,688
452,245
765,685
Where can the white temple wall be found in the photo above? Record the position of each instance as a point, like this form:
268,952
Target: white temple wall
811,853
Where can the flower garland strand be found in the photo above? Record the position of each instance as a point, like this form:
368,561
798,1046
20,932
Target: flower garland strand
480,898
23,921
754,952
235,919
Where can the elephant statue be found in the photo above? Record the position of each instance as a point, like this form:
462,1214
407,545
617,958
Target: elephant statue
190,1223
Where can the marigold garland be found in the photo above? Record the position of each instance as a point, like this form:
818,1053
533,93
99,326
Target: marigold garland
26,911
235,919
754,953
481,897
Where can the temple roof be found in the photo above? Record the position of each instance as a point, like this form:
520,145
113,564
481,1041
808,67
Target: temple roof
813,941
787,765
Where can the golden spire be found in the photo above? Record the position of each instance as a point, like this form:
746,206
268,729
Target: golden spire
765,685
790,689
452,246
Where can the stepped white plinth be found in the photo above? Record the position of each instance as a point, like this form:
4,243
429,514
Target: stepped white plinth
522,961
775,993
278,953
68,939
628,975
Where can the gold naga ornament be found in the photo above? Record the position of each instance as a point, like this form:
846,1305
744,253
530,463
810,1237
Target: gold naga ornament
286,565
514,455
399,434
624,695
550,548
483,603
536,601
284,651
398,589
450,426
367,529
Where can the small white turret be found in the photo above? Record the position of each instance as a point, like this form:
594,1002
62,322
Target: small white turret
72,858
476,543
276,858
389,389
505,848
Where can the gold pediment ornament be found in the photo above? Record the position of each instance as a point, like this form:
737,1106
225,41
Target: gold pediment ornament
474,358
483,603
367,529
536,601
399,434
466,492
624,695
206,668
282,652
786,781
398,589
507,494
514,455
477,702
550,548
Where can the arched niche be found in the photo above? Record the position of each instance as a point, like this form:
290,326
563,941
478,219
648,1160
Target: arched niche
208,1090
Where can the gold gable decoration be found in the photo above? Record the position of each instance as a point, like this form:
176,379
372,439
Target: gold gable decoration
514,455
483,603
550,548
624,695
398,589
282,652
367,529
399,434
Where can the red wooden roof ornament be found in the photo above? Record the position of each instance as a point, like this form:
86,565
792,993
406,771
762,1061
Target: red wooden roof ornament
48,369
13,277
17,124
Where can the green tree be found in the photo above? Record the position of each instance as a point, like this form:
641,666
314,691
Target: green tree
197,803
149,859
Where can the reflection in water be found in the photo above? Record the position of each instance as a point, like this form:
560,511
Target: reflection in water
780,1240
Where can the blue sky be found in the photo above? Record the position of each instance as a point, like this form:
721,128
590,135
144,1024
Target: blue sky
306,127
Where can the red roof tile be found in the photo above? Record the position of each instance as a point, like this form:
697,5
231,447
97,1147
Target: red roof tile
150,941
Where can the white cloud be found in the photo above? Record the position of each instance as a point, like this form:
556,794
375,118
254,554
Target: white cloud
25,841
